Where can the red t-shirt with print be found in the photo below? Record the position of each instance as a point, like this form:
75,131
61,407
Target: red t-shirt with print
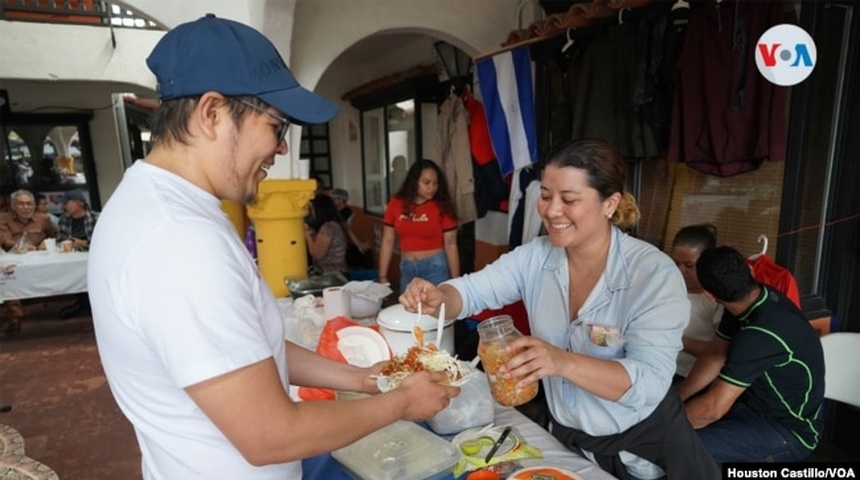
422,228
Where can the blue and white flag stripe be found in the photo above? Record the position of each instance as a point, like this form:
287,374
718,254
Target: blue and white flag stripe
506,88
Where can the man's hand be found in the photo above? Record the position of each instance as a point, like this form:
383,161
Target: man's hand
426,394
78,243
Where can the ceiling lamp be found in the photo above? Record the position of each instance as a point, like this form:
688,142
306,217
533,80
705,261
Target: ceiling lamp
457,65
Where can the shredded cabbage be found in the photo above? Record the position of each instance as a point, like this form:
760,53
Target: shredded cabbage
419,358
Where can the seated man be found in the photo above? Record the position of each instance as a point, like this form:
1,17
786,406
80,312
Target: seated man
77,225
22,230
761,380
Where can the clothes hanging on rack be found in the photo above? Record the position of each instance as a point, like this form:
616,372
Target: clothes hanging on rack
524,223
479,133
490,187
453,154
659,39
727,118
602,102
765,270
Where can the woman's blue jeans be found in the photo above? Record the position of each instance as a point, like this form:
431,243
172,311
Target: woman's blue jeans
433,269
743,435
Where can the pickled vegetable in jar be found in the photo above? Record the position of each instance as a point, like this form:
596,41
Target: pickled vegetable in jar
495,334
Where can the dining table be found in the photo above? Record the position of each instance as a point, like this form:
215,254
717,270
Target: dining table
552,453
42,274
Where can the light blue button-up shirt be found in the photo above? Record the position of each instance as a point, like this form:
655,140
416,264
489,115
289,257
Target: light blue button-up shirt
641,293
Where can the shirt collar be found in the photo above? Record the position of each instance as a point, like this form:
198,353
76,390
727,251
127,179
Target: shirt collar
763,295
616,274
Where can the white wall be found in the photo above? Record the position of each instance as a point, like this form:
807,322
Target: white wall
325,29
57,53
171,13
311,35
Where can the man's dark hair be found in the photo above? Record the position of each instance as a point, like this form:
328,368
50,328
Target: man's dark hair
724,272
169,123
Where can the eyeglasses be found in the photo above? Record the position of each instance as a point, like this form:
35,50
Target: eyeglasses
285,123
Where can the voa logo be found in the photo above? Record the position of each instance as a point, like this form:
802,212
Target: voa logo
785,55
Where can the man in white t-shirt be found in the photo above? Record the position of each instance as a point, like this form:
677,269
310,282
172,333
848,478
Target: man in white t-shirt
189,334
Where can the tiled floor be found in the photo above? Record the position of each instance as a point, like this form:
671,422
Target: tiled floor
61,404
51,376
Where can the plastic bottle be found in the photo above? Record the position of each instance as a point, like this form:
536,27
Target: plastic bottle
251,241
495,334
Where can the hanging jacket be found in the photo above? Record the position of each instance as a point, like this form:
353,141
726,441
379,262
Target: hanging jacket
603,103
765,270
490,188
727,118
479,133
453,155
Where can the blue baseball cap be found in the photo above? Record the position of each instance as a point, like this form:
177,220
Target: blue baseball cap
225,56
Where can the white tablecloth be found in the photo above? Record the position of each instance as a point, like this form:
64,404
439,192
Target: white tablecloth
42,274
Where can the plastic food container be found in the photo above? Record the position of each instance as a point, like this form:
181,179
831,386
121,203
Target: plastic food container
395,324
314,285
400,451
363,306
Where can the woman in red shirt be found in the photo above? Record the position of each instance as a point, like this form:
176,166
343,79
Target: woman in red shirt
422,215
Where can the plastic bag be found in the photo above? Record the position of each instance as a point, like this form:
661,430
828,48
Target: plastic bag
472,408
327,347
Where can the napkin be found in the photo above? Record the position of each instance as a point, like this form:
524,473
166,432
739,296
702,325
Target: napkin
368,288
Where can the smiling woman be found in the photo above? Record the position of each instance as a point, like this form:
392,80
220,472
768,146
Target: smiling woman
587,275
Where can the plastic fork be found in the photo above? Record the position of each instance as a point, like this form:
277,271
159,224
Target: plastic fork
440,325
417,331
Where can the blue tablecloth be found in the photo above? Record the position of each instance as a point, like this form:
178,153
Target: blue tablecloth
325,467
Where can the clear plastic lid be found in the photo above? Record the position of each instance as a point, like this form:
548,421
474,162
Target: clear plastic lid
400,451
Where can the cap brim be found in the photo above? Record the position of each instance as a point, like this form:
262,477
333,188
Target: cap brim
301,106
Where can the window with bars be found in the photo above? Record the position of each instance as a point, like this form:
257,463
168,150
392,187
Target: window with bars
316,147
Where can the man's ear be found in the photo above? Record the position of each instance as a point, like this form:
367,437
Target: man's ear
209,113
710,296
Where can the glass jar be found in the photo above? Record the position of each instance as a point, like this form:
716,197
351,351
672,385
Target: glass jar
495,334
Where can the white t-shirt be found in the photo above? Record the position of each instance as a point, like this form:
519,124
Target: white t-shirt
176,300
705,315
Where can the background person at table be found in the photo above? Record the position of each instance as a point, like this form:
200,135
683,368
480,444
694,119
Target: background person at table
606,312
762,374
421,214
42,206
26,229
76,225
325,236
705,313
358,254
189,334
77,221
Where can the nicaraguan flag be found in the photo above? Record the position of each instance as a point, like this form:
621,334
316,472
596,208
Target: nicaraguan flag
506,88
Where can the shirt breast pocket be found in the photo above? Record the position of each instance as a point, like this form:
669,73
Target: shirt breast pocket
603,341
